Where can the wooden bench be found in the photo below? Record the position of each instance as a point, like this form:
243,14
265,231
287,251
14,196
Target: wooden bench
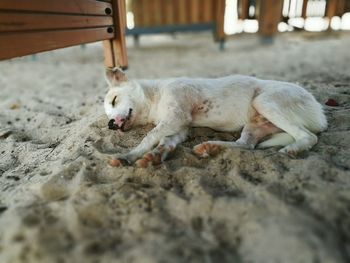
32,26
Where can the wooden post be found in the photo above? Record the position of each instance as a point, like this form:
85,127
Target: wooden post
269,16
304,9
331,8
219,20
243,9
115,48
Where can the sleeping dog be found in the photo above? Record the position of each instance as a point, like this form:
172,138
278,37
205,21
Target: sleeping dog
270,113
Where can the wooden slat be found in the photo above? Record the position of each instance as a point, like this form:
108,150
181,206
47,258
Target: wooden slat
20,44
243,9
182,11
269,16
146,13
207,15
87,7
169,12
219,20
108,54
304,9
331,8
137,10
152,11
176,13
118,42
194,6
11,21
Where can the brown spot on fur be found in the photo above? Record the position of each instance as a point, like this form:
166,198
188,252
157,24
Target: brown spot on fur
199,150
148,156
212,149
154,157
258,128
114,163
206,149
197,109
142,163
258,119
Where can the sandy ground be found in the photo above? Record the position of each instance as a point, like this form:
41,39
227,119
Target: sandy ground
61,202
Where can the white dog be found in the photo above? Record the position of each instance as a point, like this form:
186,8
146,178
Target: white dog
271,113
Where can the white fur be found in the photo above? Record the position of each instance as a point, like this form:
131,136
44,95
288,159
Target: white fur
223,104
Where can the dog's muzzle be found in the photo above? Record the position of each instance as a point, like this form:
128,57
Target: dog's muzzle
112,125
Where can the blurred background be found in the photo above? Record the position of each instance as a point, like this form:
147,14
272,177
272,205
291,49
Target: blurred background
239,16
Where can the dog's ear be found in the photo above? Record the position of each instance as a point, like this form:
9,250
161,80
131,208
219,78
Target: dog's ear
115,76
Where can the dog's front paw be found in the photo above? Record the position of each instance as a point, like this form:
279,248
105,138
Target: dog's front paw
206,149
153,158
122,160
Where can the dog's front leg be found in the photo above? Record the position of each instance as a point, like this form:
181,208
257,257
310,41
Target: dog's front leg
164,148
162,130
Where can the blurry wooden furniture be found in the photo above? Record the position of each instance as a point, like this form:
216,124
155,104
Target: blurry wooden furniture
270,14
32,26
169,16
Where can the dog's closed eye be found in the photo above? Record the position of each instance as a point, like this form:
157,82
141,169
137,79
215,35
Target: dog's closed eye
113,101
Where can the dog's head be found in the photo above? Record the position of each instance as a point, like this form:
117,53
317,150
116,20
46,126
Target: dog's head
120,101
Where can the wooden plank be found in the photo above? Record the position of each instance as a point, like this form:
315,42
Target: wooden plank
208,11
20,44
136,7
169,12
108,54
118,42
182,11
270,14
243,9
87,7
148,9
13,21
194,7
176,12
304,9
331,8
146,13
219,19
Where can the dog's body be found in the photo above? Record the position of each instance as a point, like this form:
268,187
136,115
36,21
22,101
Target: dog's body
261,107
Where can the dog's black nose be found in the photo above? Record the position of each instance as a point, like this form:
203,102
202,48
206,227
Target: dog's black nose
112,125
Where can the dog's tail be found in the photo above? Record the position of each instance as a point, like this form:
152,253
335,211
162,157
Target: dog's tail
278,139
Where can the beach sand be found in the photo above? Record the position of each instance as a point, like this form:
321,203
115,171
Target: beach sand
61,202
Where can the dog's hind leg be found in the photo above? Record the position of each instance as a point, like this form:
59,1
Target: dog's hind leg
257,129
290,121
164,148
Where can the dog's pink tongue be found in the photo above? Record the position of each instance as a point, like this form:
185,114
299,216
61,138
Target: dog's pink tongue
119,121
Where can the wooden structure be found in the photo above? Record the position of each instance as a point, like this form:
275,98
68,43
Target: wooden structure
28,27
269,12
169,16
